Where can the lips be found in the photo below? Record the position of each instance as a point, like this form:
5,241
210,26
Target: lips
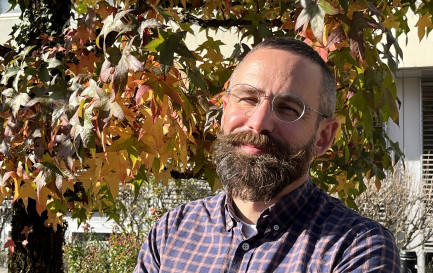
251,149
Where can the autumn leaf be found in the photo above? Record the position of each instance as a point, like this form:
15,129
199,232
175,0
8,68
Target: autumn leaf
424,22
114,23
89,60
314,13
127,62
10,245
66,149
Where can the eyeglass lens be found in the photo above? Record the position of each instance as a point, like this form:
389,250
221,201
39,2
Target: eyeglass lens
287,107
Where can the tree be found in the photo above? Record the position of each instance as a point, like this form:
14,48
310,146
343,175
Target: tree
120,97
404,209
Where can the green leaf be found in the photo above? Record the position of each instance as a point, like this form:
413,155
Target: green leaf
152,45
326,7
133,146
15,100
173,43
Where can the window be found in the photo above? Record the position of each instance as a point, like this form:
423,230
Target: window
427,140
429,262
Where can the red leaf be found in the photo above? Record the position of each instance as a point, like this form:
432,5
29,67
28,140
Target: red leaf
11,245
140,92
156,111
336,36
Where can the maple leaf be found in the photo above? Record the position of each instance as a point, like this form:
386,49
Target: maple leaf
10,244
424,22
15,100
143,89
85,30
65,150
104,9
89,60
115,24
106,70
126,62
54,220
171,43
82,129
314,12
27,230
107,106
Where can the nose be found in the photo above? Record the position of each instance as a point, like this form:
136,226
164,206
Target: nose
261,119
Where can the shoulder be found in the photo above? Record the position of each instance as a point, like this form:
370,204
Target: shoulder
337,213
363,244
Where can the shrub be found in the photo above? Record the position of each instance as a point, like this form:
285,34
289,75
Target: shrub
3,259
117,255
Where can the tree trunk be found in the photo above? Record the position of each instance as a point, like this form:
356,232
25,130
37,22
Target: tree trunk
43,251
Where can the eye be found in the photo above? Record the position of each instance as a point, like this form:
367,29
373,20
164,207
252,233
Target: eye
245,96
287,109
250,99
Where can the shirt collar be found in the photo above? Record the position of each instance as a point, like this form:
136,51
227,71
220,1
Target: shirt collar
282,213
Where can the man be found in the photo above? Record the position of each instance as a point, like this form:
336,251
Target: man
277,117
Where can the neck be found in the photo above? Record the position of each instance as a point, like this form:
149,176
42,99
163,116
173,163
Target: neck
249,212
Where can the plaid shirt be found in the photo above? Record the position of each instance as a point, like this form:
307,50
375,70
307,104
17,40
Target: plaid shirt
307,231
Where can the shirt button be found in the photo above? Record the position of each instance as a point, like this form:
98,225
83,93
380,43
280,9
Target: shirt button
276,227
245,246
230,224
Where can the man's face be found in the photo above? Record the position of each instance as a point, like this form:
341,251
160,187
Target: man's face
257,154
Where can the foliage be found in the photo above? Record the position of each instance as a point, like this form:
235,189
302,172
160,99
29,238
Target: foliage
121,97
118,255
40,16
3,259
133,214
429,267
404,209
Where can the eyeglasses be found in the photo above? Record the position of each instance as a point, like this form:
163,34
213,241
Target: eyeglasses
287,107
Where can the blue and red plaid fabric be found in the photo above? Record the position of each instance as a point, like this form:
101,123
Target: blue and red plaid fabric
308,231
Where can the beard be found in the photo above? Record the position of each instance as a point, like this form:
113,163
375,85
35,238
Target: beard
259,177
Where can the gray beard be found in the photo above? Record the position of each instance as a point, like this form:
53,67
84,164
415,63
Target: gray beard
260,177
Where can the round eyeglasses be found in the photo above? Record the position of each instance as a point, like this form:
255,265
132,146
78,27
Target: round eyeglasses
287,107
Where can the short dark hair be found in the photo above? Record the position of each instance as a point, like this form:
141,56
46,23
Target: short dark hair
328,100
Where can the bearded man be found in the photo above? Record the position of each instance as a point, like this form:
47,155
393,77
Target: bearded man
277,117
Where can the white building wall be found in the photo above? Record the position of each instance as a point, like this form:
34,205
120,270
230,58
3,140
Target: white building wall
416,53
7,21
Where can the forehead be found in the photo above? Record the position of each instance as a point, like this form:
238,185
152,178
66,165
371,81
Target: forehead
275,70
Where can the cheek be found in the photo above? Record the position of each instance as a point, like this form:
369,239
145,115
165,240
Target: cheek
293,134
231,120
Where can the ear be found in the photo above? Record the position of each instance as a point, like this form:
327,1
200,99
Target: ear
325,135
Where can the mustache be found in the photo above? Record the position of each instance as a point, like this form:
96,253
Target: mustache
261,141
